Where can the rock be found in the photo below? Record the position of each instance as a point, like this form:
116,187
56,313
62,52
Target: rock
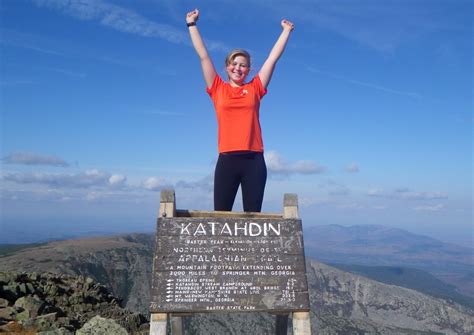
7,277
23,316
45,322
22,288
32,304
58,304
10,292
12,327
99,326
3,303
76,298
33,276
30,288
8,313
64,322
60,331
51,290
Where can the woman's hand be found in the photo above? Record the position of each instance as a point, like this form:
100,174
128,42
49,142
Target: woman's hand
268,66
192,16
287,25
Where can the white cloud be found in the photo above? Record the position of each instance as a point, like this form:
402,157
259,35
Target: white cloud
16,82
334,188
105,195
351,206
117,180
87,179
433,208
122,19
381,25
115,17
35,195
308,201
375,192
29,158
91,196
339,191
68,73
206,183
155,183
276,164
26,41
407,194
352,167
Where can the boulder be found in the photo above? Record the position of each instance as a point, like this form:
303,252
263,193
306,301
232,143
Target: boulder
3,303
99,326
32,304
9,291
8,313
60,331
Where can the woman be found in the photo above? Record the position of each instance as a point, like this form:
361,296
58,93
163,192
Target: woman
237,104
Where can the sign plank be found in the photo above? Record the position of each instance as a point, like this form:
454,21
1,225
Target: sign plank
229,264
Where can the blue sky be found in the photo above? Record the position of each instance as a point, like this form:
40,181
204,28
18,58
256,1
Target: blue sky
368,117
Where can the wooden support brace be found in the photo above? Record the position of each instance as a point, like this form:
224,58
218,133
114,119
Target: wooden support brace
158,323
167,204
301,320
301,323
290,206
290,211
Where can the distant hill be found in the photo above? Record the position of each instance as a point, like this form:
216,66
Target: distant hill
375,245
415,279
8,249
346,303
341,302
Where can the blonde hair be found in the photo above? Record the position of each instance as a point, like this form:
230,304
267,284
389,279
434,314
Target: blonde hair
237,52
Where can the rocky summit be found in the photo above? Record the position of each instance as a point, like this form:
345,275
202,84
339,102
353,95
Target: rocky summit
49,303
341,302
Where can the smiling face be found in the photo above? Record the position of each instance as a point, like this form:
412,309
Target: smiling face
237,67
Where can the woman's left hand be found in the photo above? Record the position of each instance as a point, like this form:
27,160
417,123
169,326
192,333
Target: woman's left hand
285,24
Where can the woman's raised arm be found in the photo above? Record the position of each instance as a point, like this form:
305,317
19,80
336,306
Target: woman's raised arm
266,71
207,66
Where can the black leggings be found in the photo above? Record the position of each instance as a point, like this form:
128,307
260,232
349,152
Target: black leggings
240,168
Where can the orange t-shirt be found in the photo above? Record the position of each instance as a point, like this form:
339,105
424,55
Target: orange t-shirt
237,111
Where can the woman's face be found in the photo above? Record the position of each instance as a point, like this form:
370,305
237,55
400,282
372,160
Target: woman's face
237,70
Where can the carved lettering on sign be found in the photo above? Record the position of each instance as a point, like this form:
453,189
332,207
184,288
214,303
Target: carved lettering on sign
226,229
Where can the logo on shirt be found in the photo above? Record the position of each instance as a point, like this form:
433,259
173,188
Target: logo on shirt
244,92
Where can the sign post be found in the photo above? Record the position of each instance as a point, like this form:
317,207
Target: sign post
211,262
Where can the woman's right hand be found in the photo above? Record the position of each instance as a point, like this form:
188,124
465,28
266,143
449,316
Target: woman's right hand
192,16
285,24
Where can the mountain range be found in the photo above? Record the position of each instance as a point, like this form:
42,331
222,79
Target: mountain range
376,245
341,302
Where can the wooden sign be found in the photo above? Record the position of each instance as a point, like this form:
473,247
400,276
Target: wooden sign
229,264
